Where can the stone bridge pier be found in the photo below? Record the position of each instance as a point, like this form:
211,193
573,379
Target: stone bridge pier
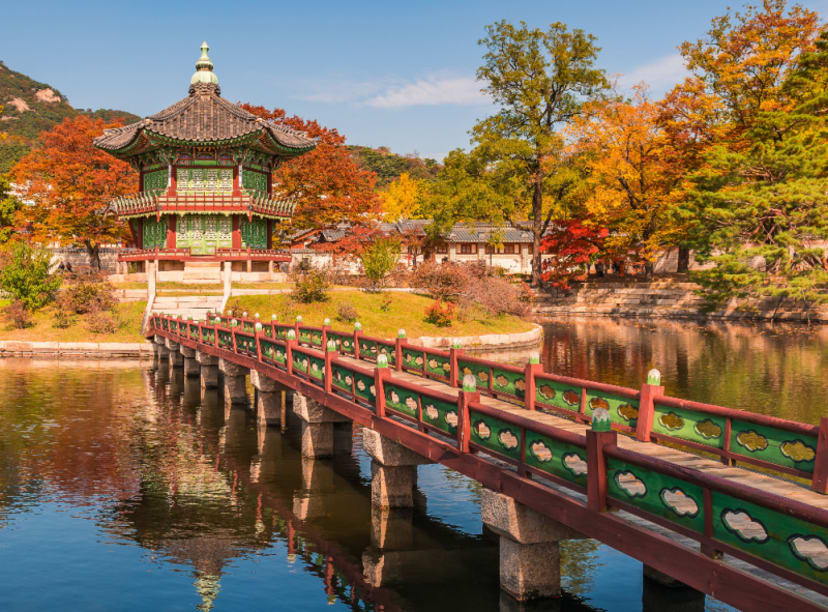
530,557
235,386
191,367
159,351
176,358
209,370
270,400
317,426
393,471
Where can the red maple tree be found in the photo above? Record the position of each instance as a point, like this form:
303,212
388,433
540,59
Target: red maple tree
573,246
327,183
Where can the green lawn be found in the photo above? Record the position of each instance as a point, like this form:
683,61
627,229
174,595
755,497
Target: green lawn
405,310
129,327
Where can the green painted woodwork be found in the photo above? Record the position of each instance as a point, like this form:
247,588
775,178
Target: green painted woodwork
555,457
480,372
246,344
316,338
225,340
673,499
689,425
203,234
155,182
552,393
437,365
413,359
317,368
774,445
155,233
622,410
301,362
364,388
343,378
440,414
506,381
193,330
495,434
253,233
774,536
254,181
400,399
204,180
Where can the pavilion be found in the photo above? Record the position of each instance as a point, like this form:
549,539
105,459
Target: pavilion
205,193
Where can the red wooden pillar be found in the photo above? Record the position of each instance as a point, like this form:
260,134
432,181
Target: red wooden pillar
464,398
289,344
357,334
820,482
398,350
329,355
380,375
237,242
454,353
236,183
532,369
269,233
170,231
597,441
173,182
650,390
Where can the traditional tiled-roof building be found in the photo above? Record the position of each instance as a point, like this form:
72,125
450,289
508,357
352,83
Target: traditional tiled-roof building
205,167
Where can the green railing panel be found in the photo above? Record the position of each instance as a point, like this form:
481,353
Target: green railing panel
246,344
623,410
506,381
225,339
193,330
343,378
317,368
316,338
367,349
390,352
437,365
248,326
670,498
268,350
413,359
305,336
561,459
268,331
560,395
301,362
707,429
480,372
364,387
346,344
400,399
165,324
774,536
440,414
208,335
495,434
773,445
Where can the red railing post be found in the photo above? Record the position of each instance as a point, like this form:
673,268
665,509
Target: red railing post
650,390
398,349
468,394
289,343
296,325
233,335
820,481
533,367
330,351
326,325
381,373
598,438
454,352
357,334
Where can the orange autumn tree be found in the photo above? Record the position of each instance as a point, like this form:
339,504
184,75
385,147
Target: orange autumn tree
69,184
328,185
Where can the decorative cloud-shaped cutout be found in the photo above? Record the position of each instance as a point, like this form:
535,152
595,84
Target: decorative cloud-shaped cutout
708,429
432,363
451,418
598,402
797,450
431,412
395,398
752,441
373,390
546,392
508,439
501,381
520,384
628,412
419,360
679,502
571,397
671,421
315,366
361,385
348,380
631,484
541,452
483,376
811,549
744,526
411,403
482,430
446,366
575,464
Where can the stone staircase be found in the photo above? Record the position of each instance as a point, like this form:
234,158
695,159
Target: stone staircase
195,306
202,271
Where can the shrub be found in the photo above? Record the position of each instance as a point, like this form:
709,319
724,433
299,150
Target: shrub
441,313
101,322
311,286
62,318
347,313
445,281
87,295
497,296
18,315
378,259
26,278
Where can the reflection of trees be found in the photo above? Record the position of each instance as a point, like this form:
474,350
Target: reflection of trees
777,370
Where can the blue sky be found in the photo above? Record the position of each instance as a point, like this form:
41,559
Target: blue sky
393,74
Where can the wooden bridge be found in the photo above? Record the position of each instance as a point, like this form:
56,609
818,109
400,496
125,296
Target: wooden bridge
728,502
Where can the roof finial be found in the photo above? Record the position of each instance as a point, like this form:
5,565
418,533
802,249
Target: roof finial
204,68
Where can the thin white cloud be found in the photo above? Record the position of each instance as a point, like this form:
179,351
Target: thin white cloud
431,91
660,74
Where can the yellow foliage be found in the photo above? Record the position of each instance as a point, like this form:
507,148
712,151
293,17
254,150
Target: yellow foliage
399,199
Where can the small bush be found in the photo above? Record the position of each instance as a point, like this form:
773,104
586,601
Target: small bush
441,281
311,286
101,323
26,278
87,295
18,315
441,313
378,260
347,313
385,305
62,318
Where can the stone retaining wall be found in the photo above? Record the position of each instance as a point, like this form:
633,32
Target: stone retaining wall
531,339
115,350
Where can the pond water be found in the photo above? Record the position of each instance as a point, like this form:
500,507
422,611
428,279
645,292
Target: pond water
125,488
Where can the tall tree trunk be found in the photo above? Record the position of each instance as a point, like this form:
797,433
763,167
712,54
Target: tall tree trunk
683,259
94,253
537,228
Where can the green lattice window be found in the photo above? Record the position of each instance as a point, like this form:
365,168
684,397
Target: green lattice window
203,234
204,180
155,181
254,233
155,233
254,181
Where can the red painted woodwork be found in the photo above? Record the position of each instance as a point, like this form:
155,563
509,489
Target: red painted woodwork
597,443
237,241
237,191
820,481
646,410
170,231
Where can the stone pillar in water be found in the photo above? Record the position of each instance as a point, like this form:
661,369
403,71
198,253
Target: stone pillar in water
209,370
235,389
268,399
191,367
176,359
317,426
393,471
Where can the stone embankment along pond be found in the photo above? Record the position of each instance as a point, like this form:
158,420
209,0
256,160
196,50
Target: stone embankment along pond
665,298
